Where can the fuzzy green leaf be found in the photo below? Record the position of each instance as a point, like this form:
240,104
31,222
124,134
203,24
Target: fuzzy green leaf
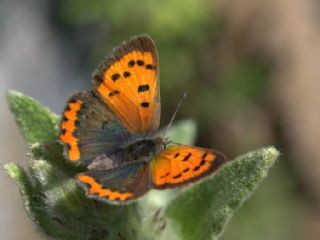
60,208
202,211
37,123
18,174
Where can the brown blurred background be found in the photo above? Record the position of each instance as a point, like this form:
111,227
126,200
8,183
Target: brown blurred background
250,67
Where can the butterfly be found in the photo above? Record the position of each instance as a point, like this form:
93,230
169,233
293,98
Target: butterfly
113,130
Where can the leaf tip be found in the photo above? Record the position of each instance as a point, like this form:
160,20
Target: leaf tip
271,154
273,151
12,95
12,169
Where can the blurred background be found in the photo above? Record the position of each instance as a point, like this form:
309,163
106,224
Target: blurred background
250,68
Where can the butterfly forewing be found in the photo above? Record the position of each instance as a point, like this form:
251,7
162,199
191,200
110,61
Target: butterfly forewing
180,164
127,81
89,128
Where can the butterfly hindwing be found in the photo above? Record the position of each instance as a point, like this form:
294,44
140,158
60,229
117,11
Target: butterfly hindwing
180,164
117,185
89,128
128,82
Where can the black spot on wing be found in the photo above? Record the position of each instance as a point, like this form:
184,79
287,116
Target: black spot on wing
165,175
202,162
126,74
131,63
186,158
204,155
140,62
196,168
114,93
144,104
143,88
115,77
186,170
177,176
150,67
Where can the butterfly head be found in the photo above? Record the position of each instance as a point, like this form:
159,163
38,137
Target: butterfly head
161,141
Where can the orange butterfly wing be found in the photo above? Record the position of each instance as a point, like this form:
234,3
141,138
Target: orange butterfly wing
68,127
182,164
128,82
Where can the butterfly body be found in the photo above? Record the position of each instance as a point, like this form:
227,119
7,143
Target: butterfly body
113,130
143,150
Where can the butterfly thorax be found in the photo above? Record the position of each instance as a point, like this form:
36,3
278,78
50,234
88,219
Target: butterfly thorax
143,150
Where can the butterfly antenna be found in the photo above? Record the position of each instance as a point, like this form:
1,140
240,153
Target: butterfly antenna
184,95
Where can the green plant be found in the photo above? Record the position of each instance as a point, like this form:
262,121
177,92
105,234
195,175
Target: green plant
60,208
